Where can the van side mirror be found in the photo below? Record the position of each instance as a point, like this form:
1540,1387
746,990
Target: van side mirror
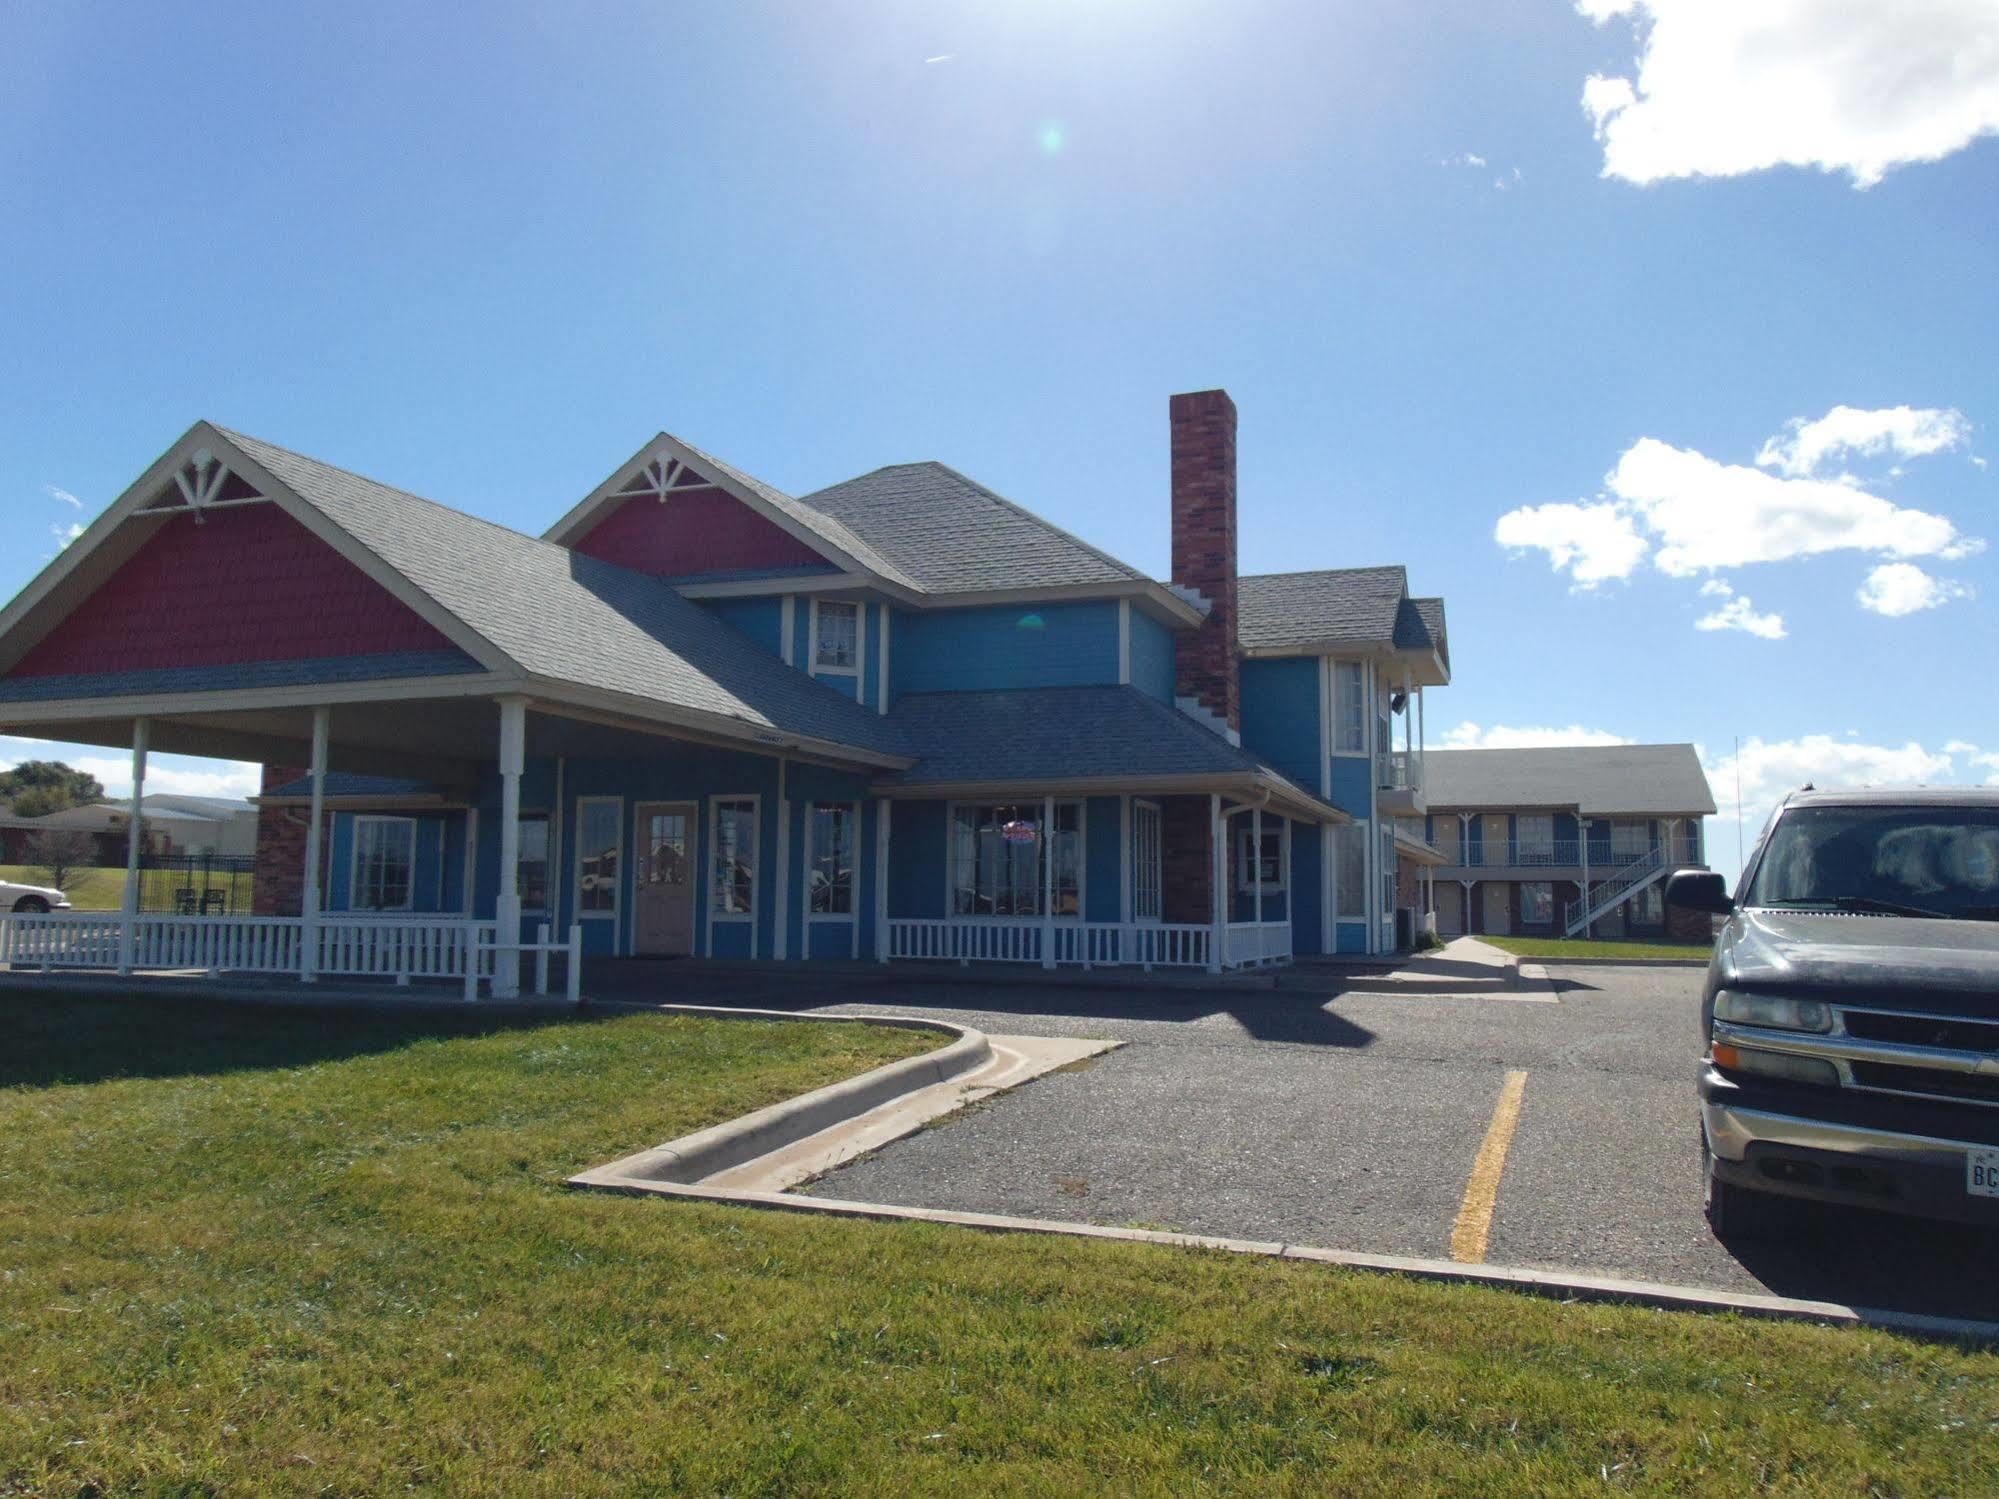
1699,890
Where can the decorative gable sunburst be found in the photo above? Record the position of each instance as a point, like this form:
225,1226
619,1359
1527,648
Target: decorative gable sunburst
659,477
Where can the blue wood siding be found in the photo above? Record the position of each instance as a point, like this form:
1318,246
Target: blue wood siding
1280,716
1307,888
1353,786
970,650
1103,855
916,859
761,619
1151,656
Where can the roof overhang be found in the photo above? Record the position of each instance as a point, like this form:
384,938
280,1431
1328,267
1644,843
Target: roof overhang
1426,667
1154,598
1418,851
1271,792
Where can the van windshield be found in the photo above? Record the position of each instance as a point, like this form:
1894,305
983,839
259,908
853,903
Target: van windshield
1916,860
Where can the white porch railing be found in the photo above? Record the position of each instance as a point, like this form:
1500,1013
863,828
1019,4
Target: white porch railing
1247,944
401,948
1086,944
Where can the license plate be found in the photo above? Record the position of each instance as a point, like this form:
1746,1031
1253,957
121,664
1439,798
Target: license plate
1981,1173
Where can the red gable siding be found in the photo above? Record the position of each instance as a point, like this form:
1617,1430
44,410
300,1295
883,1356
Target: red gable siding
697,531
245,585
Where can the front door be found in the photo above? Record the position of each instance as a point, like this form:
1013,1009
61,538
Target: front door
663,917
1498,907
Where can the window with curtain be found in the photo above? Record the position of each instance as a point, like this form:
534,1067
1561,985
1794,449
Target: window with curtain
1350,869
531,867
1349,709
597,843
384,856
1534,833
830,872
996,854
1537,903
1264,867
836,639
733,870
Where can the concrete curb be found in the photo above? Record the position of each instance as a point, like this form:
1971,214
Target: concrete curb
1622,962
1547,1283
705,1152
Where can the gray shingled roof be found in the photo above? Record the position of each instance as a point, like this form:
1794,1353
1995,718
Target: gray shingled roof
1364,605
347,784
1432,614
572,618
1606,780
1053,733
952,535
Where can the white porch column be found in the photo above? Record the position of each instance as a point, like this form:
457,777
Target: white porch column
1217,871
1256,858
135,842
1582,827
313,900
507,908
1047,882
882,809
780,938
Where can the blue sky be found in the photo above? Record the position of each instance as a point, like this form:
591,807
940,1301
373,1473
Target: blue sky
484,259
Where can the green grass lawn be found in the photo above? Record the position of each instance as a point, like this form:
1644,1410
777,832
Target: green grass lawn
104,889
276,1253
1567,947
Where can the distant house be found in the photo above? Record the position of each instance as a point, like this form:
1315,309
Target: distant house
174,824
898,717
1566,841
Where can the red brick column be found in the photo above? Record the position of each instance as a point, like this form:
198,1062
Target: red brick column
1204,548
277,885
1186,861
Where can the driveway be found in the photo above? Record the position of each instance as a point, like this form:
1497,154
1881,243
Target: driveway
1354,1120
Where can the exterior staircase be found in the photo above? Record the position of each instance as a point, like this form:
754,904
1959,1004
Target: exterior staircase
1600,897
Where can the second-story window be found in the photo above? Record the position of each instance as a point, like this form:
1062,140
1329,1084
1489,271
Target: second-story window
1349,709
836,636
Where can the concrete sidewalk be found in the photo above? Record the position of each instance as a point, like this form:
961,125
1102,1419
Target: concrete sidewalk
1464,966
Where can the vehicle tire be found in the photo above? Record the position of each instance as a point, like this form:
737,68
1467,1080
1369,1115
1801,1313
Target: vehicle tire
1735,1212
31,905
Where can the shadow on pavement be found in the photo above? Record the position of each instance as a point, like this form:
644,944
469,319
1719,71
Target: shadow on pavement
1265,1014
1878,1260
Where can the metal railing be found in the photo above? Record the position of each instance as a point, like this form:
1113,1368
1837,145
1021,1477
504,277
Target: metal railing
1602,896
1087,944
1401,770
400,948
1566,853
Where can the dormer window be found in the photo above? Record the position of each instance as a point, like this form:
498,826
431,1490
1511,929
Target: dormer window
836,636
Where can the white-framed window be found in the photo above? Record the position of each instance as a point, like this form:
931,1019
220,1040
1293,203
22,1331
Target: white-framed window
384,862
531,863
1537,903
996,859
732,858
600,822
1630,839
1387,871
1350,869
830,829
836,636
1147,859
1265,866
1349,709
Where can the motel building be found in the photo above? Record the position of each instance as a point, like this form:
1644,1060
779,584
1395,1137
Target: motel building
901,718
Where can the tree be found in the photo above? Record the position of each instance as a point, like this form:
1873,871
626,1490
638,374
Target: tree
61,855
39,787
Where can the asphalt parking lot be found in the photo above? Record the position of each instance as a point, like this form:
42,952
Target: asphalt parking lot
1354,1121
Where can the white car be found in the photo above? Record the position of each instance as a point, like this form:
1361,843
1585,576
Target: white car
31,900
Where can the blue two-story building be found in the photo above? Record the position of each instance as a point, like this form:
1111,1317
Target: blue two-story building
899,718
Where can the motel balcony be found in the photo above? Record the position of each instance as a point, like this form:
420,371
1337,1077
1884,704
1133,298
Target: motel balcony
1400,783
1560,858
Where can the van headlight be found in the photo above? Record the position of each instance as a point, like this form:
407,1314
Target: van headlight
1773,1011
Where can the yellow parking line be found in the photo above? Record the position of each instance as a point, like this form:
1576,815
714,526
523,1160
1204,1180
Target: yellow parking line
1474,1225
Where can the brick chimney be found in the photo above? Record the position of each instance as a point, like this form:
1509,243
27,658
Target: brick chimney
1204,549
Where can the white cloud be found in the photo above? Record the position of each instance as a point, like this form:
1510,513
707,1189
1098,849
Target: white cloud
1771,770
1906,431
1693,514
1740,614
1717,588
1899,588
1595,543
1960,747
64,535
56,492
1469,735
1854,86
1463,159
